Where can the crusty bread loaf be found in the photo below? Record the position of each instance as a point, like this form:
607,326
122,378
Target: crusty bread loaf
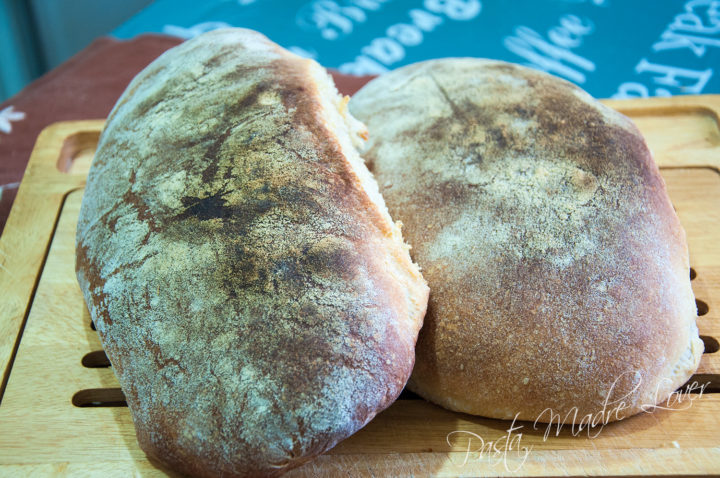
558,269
255,299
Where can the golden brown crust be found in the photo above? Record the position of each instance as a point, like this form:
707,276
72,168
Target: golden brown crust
558,268
252,298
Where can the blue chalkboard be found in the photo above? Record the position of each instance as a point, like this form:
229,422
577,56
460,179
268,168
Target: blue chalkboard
612,48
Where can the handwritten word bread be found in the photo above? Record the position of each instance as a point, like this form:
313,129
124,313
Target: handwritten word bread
558,268
254,297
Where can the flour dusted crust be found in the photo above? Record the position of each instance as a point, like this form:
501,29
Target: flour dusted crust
558,269
255,299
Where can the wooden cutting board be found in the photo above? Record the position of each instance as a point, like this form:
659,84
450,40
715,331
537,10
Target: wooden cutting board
61,411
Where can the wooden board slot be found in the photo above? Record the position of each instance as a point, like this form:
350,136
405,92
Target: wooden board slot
702,307
711,344
99,397
96,359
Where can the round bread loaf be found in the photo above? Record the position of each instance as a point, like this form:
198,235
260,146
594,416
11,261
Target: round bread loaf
255,299
558,269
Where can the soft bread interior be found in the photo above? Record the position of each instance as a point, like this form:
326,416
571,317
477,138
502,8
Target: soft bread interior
351,134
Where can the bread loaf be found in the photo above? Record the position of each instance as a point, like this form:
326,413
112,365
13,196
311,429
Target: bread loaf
558,269
254,297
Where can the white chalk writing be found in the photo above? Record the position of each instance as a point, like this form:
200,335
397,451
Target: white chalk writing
386,51
554,54
695,29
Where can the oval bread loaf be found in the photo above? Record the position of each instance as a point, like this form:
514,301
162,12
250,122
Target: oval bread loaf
255,299
558,269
